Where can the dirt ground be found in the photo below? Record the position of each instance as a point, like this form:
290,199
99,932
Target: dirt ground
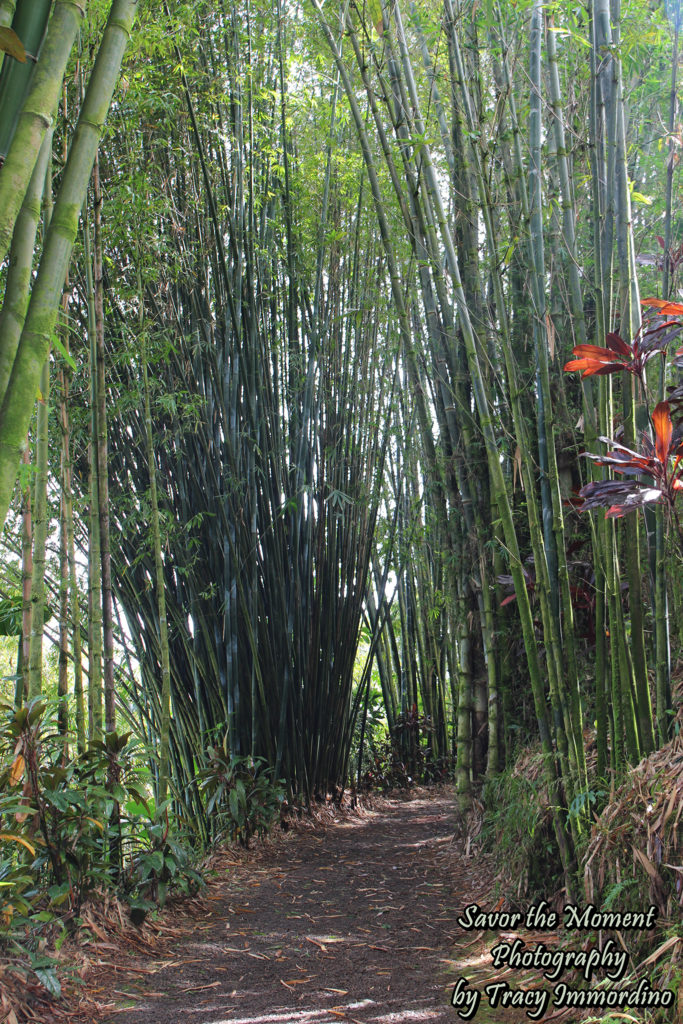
356,922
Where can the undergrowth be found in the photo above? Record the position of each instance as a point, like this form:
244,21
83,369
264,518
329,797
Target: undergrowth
80,828
518,828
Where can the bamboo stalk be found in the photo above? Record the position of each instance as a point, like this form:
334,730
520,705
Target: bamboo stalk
36,116
17,405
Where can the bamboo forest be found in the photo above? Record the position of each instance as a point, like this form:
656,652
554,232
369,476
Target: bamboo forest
341,492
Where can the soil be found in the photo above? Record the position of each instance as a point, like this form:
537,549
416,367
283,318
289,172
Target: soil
355,922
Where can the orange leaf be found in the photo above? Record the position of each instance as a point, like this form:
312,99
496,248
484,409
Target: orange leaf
593,351
661,419
598,367
18,839
17,770
664,307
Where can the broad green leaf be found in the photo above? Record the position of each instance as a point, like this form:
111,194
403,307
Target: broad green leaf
234,805
156,859
48,978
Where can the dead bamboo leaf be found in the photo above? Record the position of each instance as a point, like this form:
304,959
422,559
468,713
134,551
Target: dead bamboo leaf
12,44
646,863
202,988
669,944
550,329
669,809
517,469
17,770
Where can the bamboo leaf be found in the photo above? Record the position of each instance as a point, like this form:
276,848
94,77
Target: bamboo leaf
66,356
12,44
10,837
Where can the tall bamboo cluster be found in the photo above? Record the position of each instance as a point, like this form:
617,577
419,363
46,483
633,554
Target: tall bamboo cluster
251,369
464,115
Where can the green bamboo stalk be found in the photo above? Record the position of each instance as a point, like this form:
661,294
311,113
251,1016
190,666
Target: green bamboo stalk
165,723
36,116
65,497
18,283
72,581
616,688
464,710
29,24
40,519
566,724
420,223
40,528
63,665
662,617
102,455
545,435
468,243
492,710
601,531
557,562
567,201
21,688
95,720
634,417
17,406
603,136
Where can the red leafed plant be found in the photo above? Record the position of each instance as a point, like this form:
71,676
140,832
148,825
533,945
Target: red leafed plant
652,339
673,256
655,472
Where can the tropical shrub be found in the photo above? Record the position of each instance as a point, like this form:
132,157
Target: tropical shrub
242,796
653,473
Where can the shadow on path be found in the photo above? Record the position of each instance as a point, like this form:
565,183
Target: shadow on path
353,923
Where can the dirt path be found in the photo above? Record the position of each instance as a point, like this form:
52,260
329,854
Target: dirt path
354,923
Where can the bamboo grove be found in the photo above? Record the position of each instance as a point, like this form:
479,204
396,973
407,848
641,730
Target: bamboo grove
309,303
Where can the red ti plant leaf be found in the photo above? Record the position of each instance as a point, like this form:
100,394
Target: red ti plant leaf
618,496
618,345
661,421
663,307
651,339
596,361
654,476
